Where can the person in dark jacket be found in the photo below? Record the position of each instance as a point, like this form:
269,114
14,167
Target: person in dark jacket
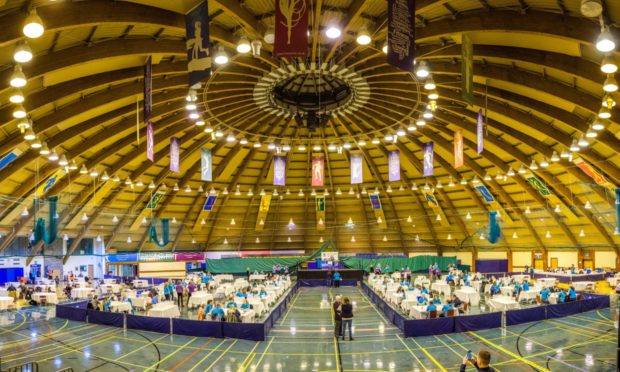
480,362
346,311
337,316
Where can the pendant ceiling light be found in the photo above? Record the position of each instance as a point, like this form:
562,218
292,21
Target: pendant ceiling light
243,46
33,26
422,71
429,84
384,49
16,96
609,65
18,79
19,112
53,155
221,57
605,42
22,53
611,84
363,36
333,32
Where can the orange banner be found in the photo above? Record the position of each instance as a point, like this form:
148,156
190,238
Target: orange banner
458,148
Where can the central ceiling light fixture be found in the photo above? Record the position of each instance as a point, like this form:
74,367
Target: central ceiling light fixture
363,36
333,32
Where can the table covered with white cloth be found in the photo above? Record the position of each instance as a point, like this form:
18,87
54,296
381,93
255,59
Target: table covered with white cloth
199,298
140,283
247,315
50,297
418,312
140,302
528,295
80,284
109,281
507,290
164,310
5,302
109,288
226,289
422,281
546,282
408,303
258,277
82,292
257,304
581,286
469,295
441,287
223,277
119,306
503,303
521,277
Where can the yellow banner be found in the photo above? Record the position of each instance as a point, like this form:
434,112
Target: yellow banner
263,210
45,186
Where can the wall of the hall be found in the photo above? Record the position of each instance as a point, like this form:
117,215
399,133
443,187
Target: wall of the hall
492,255
464,256
520,259
425,253
565,258
75,262
605,259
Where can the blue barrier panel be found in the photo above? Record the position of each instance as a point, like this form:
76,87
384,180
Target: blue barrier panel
244,331
400,321
71,313
561,310
593,302
532,314
467,323
147,323
429,327
323,282
197,328
105,318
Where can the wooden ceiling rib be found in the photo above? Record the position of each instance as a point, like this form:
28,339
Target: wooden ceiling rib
81,95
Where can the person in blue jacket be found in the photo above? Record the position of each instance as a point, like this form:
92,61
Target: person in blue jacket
446,307
217,313
572,294
429,308
526,286
544,295
561,296
337,279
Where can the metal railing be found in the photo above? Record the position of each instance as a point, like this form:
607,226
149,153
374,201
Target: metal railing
26,367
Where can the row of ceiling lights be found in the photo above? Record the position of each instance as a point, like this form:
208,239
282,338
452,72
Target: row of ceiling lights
606,44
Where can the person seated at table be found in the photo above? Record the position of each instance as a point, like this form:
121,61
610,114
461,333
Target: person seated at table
423,300
231,303
106,304
240,293
458,304
400,289
495,289
92,304
209,307
201,313
526,286
233,316
429,308
544,295
561,296
154,299
262,293
246,305
436,299
572,294
424,290
217,313
450,279
516,290
445,308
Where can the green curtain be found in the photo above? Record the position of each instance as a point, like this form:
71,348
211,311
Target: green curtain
40,232
418,263
165,239
239,265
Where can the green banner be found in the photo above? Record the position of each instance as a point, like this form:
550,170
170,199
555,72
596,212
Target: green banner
418,263
539,185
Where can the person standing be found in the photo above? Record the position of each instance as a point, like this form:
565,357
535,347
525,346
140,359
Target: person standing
336,306
167,293
329,278
179,288
346,312
480,362
337,279
247,272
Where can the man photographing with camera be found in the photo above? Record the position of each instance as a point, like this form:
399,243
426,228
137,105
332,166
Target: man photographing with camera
480,361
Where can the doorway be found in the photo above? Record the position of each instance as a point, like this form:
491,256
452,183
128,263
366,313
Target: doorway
554,262
538,264
588,264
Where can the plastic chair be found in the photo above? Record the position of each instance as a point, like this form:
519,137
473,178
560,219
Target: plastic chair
451,312
538,299
433,314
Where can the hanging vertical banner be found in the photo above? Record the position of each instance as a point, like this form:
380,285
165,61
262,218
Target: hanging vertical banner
356,169
467,69
428,158
618,211
206,159
318,171
197,36
150,141
494,230
263,210
542,189
320,212
430,198
155,198
458,148
152,204
597,176
485,193
9,158
148,90
377,208
394,166
279,170
479,132
174,154
291,28
209,203
401,34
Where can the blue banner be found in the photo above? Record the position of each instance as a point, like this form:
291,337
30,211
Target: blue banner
9,158
494,229
485,193
375,201
123,257
197,36
208,206
206,159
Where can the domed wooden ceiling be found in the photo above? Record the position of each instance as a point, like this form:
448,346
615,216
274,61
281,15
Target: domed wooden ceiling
537,76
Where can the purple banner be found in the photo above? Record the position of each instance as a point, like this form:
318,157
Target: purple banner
401,34
357,175
148,90
189,256
279,170
428,158
150,141
479,133
394,165
174,154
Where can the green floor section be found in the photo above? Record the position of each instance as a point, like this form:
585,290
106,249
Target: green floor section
303,341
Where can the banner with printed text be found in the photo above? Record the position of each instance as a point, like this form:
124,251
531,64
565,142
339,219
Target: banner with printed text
394,166
428,155
485,193
458,148
9,158
206,162
291,28
279,170
154,200
356,169
318,169
209,203
197,44
401,34
542,189
175,149
50,182
375,204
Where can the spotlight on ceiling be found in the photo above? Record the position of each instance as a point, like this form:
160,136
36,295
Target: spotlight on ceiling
33,26
363,36
221,57
270,35
591,8
243,46
22,53
609,65
333,32
605,42
18,79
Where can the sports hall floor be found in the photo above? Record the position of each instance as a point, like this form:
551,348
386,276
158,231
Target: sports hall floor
302,341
